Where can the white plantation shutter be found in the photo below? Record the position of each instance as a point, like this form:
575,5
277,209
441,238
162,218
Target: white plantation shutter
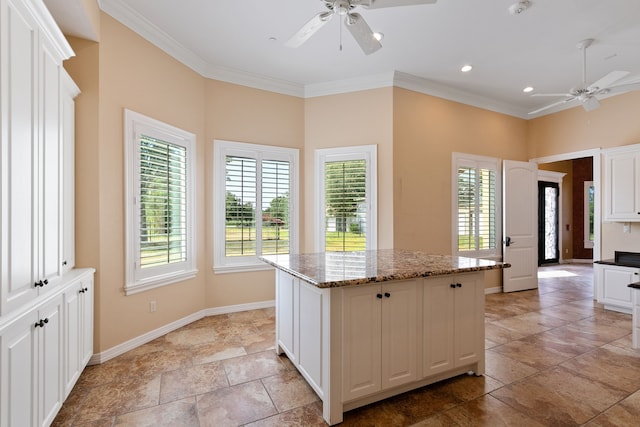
476,213
345,203
241,190
276,178
346,199
254,204
163,194
160,213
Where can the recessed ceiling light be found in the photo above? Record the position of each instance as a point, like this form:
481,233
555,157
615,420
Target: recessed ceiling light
378,36
518,8
466,68
527,89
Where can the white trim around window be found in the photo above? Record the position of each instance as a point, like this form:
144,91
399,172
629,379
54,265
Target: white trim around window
259,157
368,153
173,259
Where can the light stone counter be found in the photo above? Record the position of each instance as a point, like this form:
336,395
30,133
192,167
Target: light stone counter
335,269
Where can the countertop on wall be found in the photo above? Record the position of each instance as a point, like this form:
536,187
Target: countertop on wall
335,269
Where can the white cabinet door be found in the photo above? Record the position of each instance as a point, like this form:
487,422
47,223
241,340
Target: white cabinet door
453,323
361,341
309,335
613,281
379,337
399,333
438,325
468,320
18,371
19,156
50,366
72,340
622,184
86,321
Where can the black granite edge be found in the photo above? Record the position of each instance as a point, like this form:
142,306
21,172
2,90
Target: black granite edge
634,285
616,263
389,278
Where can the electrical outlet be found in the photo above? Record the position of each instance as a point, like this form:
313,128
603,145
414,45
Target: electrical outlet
152,306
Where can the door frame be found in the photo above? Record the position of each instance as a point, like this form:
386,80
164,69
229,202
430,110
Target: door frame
597,186
554,177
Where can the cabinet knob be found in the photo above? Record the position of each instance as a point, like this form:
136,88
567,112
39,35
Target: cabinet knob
387,294
42,322
453,285
379,296
459,285
46,282
38,284
64,262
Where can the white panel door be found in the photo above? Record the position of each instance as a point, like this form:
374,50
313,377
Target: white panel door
520,223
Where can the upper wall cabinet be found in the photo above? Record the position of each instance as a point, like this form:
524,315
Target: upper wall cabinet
622,183
34,188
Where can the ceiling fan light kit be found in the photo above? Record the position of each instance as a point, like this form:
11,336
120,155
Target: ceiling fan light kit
356,24
518,8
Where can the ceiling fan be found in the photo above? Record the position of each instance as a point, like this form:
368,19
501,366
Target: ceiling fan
354,21
587,94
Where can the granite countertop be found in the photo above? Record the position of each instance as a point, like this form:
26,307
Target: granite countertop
335,269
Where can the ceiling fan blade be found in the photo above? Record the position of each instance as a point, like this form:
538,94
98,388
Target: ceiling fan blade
628,87
309,29
591,103
362,33
378,4
607,80
555,104
551,94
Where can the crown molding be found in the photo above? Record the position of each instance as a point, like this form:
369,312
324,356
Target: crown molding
256,81
50,28
127,16
355,84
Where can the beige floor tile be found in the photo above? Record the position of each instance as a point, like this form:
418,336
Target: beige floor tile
191,381
305,416
610,365
234,406
253,366
483,411
181,413
289,390
625,413
505,369
559,397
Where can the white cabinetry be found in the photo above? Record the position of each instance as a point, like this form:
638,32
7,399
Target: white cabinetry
380,328
611,283
43,350
32,151
453,323
358,344
622,183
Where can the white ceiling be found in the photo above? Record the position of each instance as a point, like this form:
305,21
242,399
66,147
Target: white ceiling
424,46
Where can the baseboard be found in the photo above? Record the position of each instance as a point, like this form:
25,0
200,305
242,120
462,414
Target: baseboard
494,290
157,333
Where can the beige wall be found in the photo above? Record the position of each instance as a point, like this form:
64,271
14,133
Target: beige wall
614,124
238,113
125,71
426,130
359,118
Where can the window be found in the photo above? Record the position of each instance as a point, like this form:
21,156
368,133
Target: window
255,204
346,199
159,202
476,206
588,214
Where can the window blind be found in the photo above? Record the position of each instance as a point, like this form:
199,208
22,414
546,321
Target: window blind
241,192
275,206
163,222
476,209
345,206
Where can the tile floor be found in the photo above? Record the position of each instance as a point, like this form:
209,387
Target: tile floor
553,358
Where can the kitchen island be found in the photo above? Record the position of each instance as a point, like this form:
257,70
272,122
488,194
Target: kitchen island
364,326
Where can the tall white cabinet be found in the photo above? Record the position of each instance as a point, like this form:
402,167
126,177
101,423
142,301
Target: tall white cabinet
622,183
46,306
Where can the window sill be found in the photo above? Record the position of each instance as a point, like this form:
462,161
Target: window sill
156,282
227,269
